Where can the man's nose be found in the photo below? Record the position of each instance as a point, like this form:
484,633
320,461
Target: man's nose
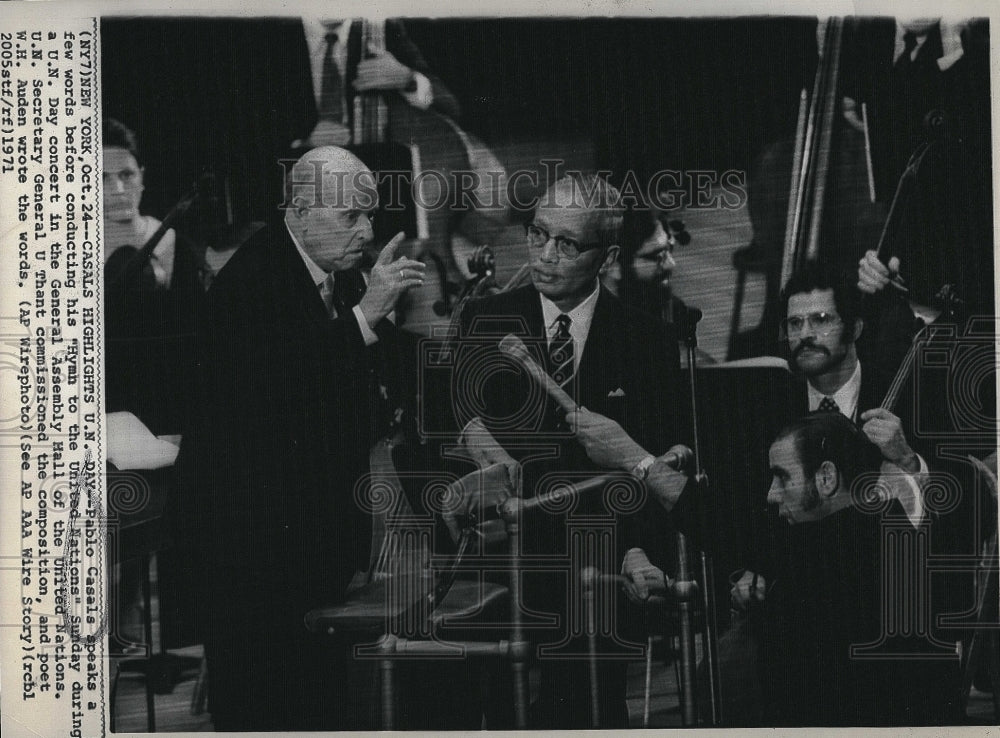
368,227
550,253
667,261
773,495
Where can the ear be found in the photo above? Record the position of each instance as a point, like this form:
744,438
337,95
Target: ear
299,206
859,326
609,258
827,479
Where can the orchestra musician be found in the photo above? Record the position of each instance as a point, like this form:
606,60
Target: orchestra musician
152,305
827,594
340,69
822,324
607,357
265,504
643,275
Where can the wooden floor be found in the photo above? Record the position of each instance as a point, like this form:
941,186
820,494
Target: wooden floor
174,711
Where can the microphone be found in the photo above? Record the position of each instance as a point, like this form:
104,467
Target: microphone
678,458
515,348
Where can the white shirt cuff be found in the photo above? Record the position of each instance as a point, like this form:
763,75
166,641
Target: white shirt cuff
912,500
422,97
366,332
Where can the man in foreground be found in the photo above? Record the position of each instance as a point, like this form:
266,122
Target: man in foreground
265,504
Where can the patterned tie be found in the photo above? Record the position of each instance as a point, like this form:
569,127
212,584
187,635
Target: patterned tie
326,292
331,96
561,353
827,405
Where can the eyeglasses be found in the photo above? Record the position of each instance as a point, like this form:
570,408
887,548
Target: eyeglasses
569,248
660,256
821,324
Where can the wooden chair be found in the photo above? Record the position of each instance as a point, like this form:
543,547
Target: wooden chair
420,605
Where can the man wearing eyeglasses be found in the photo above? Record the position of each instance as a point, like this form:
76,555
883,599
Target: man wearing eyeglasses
822,324
605,356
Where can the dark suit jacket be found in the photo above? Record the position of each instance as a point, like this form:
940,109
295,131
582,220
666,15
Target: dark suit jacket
769,549
628,372
826,597
268,465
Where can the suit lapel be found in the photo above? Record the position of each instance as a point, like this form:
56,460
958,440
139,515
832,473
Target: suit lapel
603,353
297,275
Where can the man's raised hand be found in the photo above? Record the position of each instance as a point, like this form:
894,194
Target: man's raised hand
390,278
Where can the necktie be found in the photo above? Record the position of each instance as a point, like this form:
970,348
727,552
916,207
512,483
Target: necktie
326,292
561,352
828,405
341,291
331,97
909,44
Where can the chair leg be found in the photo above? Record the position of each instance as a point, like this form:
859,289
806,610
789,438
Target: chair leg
114,694
649,681
386,668
147,624
200,696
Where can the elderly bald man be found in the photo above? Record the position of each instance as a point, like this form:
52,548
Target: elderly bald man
264,508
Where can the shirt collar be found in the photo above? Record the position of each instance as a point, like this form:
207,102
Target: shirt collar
846,397
582,315
315,272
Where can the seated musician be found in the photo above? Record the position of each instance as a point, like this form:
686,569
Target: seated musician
339,72
124,225
829,590
152,302
605,356
821,324
825,592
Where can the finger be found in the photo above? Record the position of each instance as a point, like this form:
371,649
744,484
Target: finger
894,265
404,262
875,412
388,253
641,588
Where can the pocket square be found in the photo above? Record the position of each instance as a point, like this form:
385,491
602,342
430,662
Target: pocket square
617,393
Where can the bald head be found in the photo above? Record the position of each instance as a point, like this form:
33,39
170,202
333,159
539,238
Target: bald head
332,195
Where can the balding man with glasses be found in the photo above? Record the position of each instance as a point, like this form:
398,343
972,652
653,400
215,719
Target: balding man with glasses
608,358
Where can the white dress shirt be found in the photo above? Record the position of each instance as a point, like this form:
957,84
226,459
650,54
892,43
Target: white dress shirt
580,319
319,277
846,397
903,486
316,30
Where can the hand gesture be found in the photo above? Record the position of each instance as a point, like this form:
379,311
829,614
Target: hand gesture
885,431
389,279
641,576
873,275
606,443
382,72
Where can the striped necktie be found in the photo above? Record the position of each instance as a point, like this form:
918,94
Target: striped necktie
561,352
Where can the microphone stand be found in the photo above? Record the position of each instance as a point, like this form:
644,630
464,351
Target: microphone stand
710,639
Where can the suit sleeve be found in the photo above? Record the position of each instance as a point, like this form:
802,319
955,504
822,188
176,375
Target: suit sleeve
407,53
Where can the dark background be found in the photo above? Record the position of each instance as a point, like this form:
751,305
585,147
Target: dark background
649,94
